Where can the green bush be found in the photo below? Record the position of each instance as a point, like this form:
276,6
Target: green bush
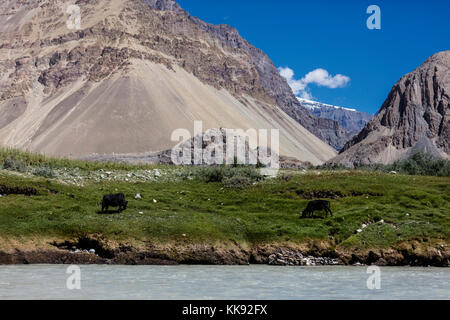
13,164
45,172
220,173
237,182
212,174
421,164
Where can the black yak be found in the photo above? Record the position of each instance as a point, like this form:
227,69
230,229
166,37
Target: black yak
114,200
316,205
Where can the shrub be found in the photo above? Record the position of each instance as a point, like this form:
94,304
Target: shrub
45,172
220,173
13,164
250,172
417,164
237,182
422,164
213,174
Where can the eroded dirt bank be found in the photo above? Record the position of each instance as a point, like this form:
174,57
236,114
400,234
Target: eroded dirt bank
94,250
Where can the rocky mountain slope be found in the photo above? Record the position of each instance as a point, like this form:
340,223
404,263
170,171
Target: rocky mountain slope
414,117
351,121
135,71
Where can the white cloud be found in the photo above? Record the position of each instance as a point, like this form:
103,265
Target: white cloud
320,77
298,86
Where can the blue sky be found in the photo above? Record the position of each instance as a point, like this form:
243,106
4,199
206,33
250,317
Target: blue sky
332,35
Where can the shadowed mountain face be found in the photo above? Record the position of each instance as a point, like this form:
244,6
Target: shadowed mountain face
132,73
350,121
415,117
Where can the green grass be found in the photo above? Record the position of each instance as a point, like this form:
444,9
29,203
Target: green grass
412,207
39,160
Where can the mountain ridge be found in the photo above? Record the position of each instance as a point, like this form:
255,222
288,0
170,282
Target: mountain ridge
351,120
414,117
131,67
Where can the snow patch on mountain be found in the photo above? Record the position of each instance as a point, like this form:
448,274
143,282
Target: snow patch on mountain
310,104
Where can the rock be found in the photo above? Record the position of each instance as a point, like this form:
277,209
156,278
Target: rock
346,122
272,258
299,256
415,117
92,251
381,262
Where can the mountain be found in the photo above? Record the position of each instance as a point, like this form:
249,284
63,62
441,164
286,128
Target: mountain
414,117
134,72
352,120
342,123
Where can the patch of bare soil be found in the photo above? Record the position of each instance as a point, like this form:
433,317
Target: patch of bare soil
332,194
27,191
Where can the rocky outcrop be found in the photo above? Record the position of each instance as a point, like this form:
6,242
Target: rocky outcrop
201,150
286,257
164,5
334,134
414,117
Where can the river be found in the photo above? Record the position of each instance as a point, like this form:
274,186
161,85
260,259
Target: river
256,282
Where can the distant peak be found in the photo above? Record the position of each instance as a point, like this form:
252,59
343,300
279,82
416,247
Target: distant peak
310,104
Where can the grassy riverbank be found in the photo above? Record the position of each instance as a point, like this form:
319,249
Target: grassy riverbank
180,206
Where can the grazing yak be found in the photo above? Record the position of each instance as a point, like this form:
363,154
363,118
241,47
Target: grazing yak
114,200
316,205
